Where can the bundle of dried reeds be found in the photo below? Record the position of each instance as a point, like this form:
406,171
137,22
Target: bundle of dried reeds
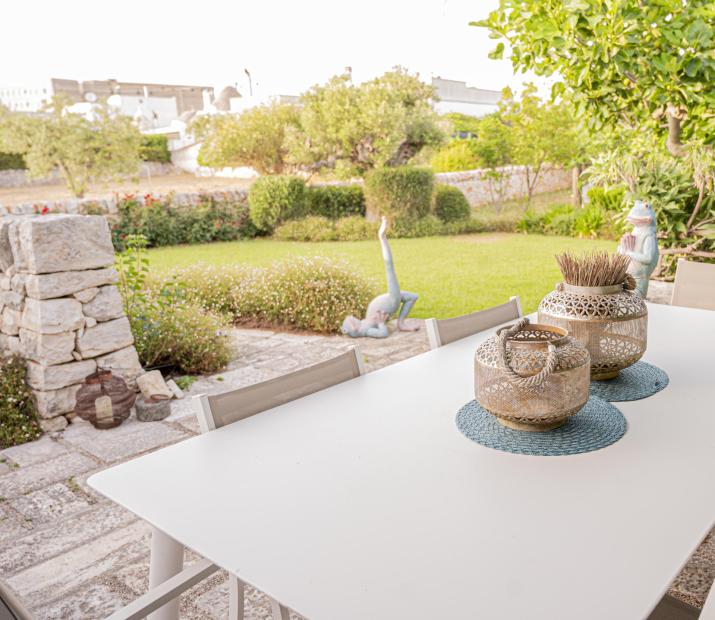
593,269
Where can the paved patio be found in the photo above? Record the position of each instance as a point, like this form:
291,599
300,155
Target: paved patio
68,553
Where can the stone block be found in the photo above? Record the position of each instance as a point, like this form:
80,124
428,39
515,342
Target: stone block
150,410
47,349
9,345
53,243
123,363
12,299
52,316
63,283
87,294
10,322
56,402
153,384
6,258
4,282
106,305
47,378
17,283
105,338
54,425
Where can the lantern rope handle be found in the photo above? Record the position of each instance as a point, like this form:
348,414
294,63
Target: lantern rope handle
534,380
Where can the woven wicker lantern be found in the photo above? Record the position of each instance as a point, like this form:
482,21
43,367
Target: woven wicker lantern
610,319
531,377
104,400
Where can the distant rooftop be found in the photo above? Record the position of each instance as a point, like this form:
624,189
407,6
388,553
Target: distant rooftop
457,91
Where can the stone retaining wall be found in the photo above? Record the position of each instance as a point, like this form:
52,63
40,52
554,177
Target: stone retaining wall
60,309
475,183
108,206
21,178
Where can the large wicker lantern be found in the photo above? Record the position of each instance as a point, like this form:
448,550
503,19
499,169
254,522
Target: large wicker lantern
607,316
531,377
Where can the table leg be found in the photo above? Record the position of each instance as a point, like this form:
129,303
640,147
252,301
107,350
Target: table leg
167,559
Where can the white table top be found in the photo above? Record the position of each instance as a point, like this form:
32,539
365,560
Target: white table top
365,501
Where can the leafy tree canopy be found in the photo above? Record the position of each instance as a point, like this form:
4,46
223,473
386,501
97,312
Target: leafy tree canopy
82,150
355,128
255,138
620,61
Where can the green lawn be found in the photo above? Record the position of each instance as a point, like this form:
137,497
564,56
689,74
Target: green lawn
452,275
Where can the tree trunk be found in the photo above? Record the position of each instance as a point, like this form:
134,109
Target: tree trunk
575,193
673,143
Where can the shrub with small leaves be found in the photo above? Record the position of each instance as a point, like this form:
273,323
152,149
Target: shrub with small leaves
450,204
275,199
405,191
355,228
18,416
335,201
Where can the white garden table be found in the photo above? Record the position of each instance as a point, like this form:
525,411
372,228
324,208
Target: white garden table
365,501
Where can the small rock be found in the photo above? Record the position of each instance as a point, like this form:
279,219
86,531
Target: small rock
106,305
89,321
150,410
175,389
152,384
76,355
54,425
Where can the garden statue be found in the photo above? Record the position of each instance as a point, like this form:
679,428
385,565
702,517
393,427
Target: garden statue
383,306
641,245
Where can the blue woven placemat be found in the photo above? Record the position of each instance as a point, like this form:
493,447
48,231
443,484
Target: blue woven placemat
635,382
597,425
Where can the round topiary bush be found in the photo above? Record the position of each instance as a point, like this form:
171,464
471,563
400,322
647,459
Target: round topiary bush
450,204
405,191
275,199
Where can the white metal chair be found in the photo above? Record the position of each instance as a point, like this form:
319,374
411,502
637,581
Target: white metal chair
217,410
694,285
444,331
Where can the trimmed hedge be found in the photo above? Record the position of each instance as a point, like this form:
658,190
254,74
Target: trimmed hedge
450,204
405,191
335,201
163,223
274,199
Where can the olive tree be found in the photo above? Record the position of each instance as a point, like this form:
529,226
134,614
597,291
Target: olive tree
355,128
81,149
254,138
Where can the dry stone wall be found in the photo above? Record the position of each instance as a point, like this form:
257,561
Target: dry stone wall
60,308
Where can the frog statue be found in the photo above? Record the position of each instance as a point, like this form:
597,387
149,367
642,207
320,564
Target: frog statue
383,306
641,245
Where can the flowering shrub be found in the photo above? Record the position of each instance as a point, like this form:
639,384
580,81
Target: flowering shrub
302,293
18,417
186,337
163,223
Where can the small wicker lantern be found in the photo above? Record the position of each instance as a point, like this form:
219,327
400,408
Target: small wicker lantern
104,400
611,319
531,377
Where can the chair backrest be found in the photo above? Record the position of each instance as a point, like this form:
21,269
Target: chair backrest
217,410
694,285
444,331
10,606
708,611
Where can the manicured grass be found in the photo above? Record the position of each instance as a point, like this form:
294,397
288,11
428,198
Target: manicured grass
452,275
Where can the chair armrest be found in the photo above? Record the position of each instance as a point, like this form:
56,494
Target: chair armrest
163,593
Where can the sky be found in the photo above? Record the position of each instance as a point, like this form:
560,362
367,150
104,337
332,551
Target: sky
286,46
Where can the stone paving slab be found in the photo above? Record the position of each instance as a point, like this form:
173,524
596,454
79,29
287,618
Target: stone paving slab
38,451
22,480
129,439
49,505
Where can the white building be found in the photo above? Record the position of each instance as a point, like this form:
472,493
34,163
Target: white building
456,96
25,98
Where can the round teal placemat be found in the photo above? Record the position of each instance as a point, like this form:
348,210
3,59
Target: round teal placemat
597,425
633,383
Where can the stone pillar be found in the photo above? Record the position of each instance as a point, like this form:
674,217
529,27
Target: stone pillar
60,308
